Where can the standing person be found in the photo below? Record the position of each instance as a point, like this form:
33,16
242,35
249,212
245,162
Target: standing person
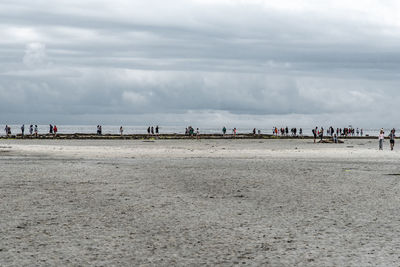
301,132
321,134
22,130
36,130
31,129
157,130
121,130
381,138
51,129
198,133
224,130
392,137
234,132
101,130
152,130
314,131
6,130
55,130
362,132
148,130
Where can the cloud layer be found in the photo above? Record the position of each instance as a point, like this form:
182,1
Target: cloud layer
269,62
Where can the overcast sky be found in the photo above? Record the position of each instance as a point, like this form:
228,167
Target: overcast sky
204,62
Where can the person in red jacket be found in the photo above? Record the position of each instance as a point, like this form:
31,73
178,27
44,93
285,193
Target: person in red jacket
55,130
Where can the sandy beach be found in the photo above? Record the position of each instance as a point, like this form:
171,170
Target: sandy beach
198,202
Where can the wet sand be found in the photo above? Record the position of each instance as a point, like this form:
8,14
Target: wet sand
198,202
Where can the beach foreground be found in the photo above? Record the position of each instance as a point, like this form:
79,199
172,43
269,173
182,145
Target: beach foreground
198,202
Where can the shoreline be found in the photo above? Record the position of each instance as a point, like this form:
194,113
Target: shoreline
88,136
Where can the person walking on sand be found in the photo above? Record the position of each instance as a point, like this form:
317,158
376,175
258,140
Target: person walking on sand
224,130
392,136
6,130
197,133
31,129
55,130
121,131
51,129
157,130
381,138
152,130
36,130
22,130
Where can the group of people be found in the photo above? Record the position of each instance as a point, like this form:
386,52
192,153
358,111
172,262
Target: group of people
381,138
285,131
33,130
53,129
150,130
190,131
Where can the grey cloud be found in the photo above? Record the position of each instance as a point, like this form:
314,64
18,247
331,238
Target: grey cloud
76,59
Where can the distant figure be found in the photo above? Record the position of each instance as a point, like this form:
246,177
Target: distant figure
98,129
152,130
121,130
321,133
254,131
314,131
362,132
36,130
55,130
148,130
6,130
157,130
259,132
22,130
191,131
392,136
301,132
31,129
198,133
234,131
224,130
381,138
358,132
335,139
51,129
101,130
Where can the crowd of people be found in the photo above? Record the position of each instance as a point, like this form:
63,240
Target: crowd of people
317,132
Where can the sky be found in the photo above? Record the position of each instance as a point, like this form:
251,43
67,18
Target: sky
200,62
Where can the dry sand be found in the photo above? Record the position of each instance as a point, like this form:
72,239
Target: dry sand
198,202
